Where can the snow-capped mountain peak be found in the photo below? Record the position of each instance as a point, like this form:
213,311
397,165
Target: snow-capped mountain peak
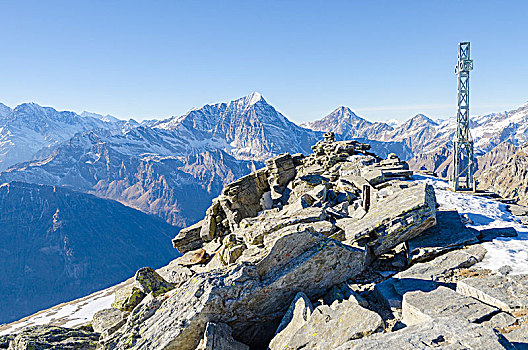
251,128
253,98
419,120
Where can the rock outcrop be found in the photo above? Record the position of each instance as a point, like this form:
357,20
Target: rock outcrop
420,306
45,337
217,336
295,256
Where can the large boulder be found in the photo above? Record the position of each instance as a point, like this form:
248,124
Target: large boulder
188,238
253,230
146,280
128,297
106,319
295,317
151,282
217,336
331,326
394,220
251,297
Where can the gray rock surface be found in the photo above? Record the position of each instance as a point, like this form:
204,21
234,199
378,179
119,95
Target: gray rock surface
295,317
150,281
418,306
400,217
342,292
253,231
518,336
47,337
128,297
440,333
188,238
448,234
217,336
509,293
330,326
5,340
426,276
501,321
105,319
247,296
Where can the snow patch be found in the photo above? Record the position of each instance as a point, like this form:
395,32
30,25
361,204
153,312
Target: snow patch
486,213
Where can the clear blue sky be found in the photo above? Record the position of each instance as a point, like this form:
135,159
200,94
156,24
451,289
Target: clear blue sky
384,59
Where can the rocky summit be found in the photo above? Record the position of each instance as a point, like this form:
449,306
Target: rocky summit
340,249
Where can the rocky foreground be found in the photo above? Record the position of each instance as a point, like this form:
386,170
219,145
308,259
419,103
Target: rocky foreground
296,256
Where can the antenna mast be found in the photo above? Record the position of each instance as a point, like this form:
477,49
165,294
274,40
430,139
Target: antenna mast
462,142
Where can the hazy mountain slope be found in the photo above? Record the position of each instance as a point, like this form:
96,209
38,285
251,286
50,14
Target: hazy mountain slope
176,188
29,127
57,245
497,155
509,178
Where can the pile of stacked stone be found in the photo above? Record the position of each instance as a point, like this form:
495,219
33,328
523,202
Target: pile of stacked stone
297,254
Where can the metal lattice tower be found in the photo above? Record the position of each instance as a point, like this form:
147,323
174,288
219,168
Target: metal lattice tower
462,142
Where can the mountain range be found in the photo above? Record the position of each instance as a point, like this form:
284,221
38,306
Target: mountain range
173,168
63,172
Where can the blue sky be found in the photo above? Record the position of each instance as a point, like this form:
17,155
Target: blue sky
153,59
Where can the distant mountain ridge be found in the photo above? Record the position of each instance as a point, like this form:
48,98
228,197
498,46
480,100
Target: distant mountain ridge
28,128
431,141
136,168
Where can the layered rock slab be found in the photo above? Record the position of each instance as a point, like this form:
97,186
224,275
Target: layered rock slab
448,234
247,297
396,219
418,306
440,333
426,276
509,293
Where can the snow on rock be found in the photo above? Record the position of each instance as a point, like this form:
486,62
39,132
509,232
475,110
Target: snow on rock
486,213
71,314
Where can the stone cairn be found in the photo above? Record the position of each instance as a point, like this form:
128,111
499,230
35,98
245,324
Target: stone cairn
291,257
